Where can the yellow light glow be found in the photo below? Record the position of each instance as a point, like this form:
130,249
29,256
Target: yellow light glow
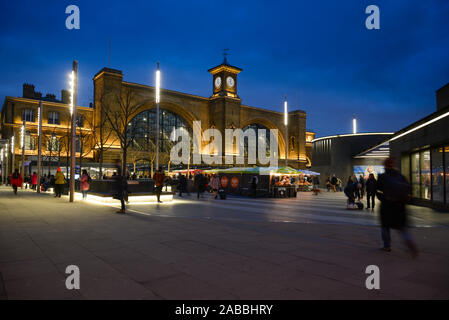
72,90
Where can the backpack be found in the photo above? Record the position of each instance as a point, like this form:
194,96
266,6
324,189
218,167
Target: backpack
15,175
89,179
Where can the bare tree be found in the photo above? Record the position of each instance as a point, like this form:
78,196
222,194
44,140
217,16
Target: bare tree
119,120
100,134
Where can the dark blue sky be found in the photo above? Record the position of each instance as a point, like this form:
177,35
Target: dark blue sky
318,51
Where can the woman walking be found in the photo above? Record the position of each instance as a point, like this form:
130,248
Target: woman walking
16,180
59,182
215,184
84,184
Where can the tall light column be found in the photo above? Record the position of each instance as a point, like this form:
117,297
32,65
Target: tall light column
13,152
354,125
7,162
22,146
285,124
39,146
158,98
3,167
73,92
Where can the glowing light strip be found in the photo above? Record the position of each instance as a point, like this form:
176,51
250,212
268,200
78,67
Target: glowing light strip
22,136
285,112
351,134
38,120
354,125
72,90
2,155
158,84
12,144
420,126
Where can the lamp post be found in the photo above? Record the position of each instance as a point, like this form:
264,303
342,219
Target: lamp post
3,171
354,125
7,163
22,146
158,98
285,123
39,146
13,155
73,92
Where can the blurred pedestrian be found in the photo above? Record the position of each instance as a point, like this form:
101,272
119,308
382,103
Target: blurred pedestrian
254,183
200,184
16,180
159,178
34,180
121,186
371,187
85,183
393,191
361,190
316,185
59,182
334,181
215,184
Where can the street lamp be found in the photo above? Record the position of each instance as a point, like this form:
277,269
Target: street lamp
22,146
285,124
354,125
39,145
13,155
73,91
3,171
158,99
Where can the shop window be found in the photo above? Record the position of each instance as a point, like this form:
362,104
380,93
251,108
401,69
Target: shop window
30,142
437,175
415,176
425,174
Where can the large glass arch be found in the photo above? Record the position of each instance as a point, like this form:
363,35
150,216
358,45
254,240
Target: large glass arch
142,130
266,138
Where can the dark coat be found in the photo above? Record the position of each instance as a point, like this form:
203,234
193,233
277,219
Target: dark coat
393,191
371,186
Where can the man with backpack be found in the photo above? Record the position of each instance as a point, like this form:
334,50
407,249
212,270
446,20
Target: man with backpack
16,180
393,191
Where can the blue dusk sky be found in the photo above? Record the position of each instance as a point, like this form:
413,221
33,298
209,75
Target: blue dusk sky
318,53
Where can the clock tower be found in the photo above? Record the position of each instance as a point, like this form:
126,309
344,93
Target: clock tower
224,103
224,78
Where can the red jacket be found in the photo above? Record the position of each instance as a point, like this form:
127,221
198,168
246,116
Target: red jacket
17,182
34,179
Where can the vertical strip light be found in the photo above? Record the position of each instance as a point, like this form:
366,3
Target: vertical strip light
158,99
22,136
285,123
354,125
72,90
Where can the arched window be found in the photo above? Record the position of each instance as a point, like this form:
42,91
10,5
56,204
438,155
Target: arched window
142,129
266,137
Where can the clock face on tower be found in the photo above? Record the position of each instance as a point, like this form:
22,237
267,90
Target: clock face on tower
217,82
230,81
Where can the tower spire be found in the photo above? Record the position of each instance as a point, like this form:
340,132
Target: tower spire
225,54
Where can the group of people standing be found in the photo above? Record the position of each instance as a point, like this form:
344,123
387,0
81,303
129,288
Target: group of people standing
57,181
355,189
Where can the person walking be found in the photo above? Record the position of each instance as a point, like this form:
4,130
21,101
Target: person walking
328,184
159,178
182,184
334,181
34,180
16,180
215,184
316,185
59,182
254,183
199,182
361,190
121,186
393,191
371,187
85,183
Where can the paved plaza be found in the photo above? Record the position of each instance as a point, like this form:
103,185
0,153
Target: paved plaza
240,248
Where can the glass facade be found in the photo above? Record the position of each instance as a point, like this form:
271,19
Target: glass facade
260,140
142,130
437,174
429,174
415,176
